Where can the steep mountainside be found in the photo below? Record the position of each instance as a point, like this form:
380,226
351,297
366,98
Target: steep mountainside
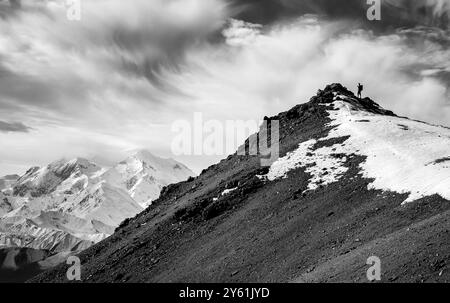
353,180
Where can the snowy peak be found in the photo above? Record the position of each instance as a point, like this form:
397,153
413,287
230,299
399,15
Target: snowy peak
65,168
143,175
145,155
71,204
149,160
40,181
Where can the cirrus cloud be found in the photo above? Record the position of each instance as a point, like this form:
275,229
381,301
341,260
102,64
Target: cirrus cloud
117,79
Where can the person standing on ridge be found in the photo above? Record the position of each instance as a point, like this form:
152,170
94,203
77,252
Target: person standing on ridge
360,88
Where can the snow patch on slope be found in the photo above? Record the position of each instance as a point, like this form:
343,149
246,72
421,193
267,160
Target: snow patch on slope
227,191
323,167
399,151
402,155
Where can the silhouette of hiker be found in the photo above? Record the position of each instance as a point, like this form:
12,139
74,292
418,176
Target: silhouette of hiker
360,88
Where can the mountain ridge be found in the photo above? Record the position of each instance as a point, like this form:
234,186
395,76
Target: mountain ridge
325,205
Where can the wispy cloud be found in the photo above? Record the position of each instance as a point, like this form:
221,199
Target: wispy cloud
268,70
7,127
118,78
102,75
118,51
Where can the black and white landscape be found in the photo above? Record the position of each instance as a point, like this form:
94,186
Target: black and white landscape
225,140
68,205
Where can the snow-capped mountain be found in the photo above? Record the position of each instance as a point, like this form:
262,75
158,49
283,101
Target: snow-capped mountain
353,180
70,204
143,175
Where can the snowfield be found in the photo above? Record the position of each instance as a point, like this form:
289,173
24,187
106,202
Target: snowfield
324,168
402,155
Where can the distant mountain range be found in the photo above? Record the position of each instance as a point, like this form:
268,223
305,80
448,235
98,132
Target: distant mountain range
69,205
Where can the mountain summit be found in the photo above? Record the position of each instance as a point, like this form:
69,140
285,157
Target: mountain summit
353,181
143,175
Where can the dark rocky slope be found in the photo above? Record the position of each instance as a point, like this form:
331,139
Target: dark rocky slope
272,231
20,264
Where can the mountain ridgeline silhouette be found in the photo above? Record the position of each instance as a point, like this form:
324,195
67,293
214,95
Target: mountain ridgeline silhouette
353,180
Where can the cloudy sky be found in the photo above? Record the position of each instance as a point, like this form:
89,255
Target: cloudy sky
117,79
